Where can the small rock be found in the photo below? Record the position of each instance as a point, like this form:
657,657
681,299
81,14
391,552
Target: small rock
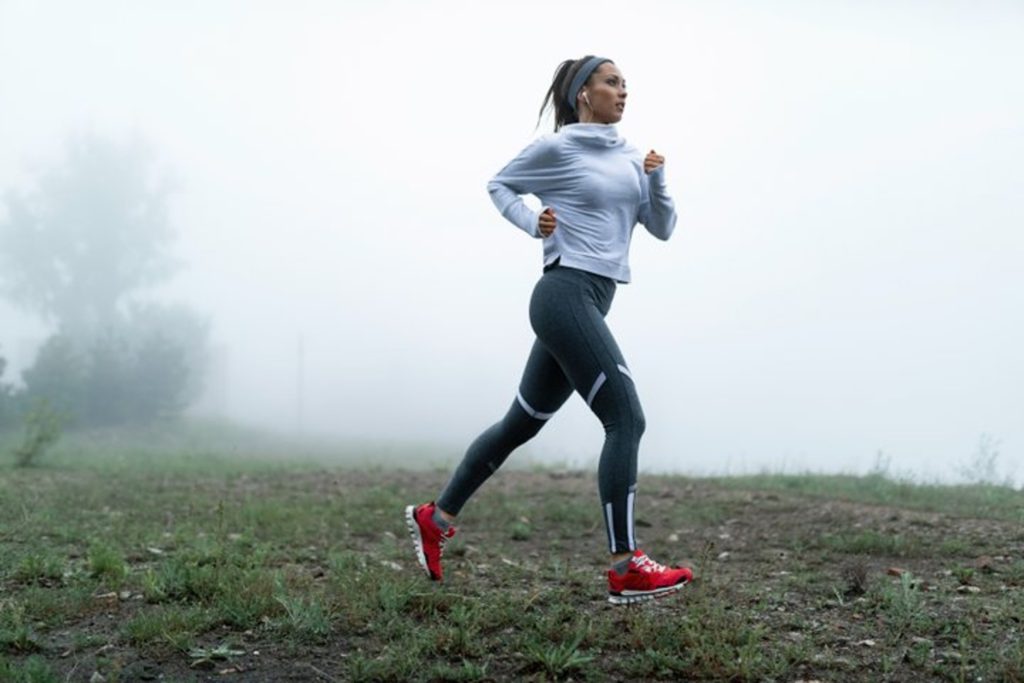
985,564
724,555
673,538
968,589
391,535
866,643
125,595
391,565
896,571
155,551
97,677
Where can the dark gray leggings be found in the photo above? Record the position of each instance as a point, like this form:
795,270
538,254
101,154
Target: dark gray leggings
574,350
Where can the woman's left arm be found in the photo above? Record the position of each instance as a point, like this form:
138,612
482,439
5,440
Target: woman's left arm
657,210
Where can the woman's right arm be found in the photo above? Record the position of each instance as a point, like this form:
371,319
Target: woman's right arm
534,170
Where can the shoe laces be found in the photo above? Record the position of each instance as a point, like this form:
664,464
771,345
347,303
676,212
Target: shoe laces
647,565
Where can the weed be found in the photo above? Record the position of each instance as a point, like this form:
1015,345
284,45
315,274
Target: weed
15,632
247,598
521,531
963,574
175,626
106,562
393,664
38,567
305,619
558,659
902,606
982,468
203,655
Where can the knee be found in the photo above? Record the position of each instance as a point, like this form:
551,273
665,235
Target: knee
639,423
630,424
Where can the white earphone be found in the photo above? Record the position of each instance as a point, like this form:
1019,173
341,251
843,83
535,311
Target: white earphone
586,97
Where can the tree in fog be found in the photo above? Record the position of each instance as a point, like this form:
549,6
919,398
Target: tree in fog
6,397
79,249
91,233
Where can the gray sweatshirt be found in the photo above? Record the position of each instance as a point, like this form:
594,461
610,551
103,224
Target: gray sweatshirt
595,183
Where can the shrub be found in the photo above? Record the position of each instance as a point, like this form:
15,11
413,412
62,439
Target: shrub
42,430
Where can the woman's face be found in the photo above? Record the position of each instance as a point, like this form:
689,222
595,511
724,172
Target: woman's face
603,99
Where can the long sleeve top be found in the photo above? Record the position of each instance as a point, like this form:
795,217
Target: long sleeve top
595,183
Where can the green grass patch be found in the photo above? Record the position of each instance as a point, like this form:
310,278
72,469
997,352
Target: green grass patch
35,669
210,558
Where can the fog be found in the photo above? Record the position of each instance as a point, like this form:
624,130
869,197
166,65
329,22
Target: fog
846,277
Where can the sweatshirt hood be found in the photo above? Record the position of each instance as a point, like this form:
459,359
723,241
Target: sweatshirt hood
601,135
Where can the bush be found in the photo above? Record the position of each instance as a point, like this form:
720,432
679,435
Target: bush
57,377
42,430
147,367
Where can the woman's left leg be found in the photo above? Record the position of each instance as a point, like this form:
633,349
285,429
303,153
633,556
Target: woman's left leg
542,391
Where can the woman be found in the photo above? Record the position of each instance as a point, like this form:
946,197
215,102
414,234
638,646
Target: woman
594,188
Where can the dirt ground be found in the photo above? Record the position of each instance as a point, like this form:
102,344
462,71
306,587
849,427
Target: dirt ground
789,586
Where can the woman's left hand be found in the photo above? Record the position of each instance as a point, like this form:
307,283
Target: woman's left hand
652,161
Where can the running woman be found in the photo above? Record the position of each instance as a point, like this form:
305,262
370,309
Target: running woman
594,188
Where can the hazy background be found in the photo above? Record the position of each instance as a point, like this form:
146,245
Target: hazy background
846,277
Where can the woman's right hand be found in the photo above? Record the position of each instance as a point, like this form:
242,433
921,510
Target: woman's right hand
546,225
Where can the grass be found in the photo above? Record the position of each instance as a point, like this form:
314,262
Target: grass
192,561
975,500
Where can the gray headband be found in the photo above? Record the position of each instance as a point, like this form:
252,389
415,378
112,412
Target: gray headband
581,77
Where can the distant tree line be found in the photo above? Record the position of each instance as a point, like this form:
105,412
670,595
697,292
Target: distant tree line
77,250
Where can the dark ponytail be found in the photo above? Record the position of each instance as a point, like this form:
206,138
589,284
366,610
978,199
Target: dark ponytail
557,92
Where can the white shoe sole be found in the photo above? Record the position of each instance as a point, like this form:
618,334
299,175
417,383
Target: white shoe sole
635,597
417,538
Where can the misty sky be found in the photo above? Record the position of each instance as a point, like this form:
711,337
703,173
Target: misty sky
846,277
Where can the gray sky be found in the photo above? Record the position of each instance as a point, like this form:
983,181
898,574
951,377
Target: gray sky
846,275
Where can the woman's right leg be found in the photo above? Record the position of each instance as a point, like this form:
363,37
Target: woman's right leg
542,391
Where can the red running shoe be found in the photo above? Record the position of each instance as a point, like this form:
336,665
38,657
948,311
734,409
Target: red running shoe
427,537
645,580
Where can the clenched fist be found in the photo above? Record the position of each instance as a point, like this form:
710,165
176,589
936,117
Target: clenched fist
652,161
546,224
